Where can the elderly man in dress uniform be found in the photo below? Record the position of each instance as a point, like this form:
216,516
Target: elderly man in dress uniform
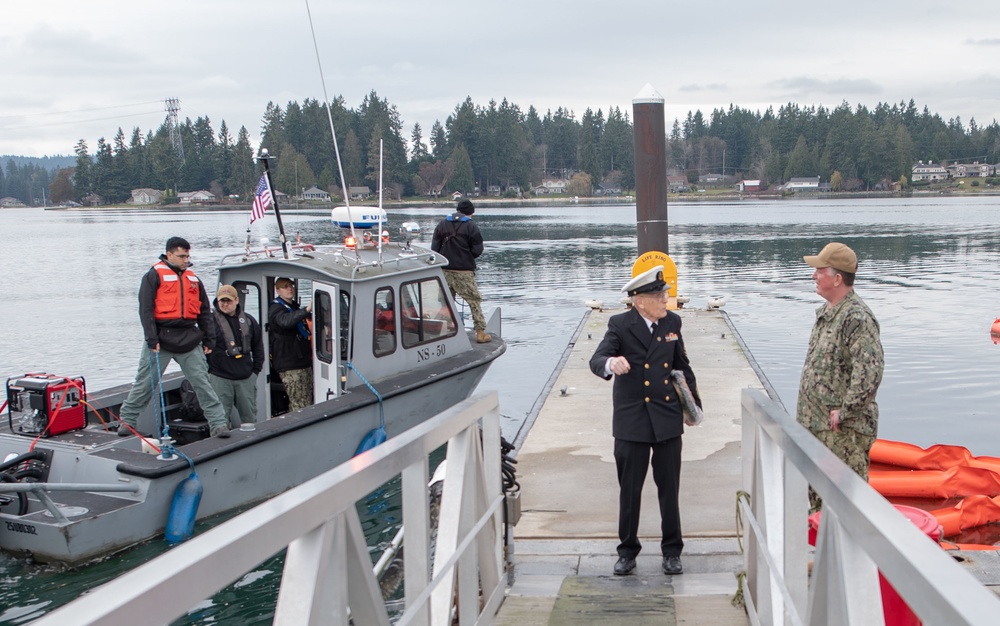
640,349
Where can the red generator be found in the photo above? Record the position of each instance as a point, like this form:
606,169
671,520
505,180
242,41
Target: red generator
46,405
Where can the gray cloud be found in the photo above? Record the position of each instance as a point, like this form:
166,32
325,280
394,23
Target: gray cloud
983,42
802,86
708,87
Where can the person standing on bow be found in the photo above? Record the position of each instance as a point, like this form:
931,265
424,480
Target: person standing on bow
177,325
238,356
844,365
641,347
458,239
291,344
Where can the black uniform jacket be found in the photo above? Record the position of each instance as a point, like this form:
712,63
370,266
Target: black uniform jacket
289,349
646,406
458,238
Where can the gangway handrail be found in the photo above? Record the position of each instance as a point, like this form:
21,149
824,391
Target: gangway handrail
327,566
860,535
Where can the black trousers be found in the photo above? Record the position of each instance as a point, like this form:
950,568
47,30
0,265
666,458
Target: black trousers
632,459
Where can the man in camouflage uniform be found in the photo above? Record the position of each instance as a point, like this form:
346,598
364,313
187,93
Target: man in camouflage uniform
843,367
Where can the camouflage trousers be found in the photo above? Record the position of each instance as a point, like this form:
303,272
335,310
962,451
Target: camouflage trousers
852,448
299,387
464,284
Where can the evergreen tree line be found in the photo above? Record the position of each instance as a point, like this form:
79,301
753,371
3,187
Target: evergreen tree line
858,146
501,147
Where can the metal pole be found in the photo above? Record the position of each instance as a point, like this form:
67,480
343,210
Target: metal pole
274,202
650,171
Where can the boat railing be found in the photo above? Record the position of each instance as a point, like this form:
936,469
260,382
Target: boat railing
404,255
266,253
328,571
860,534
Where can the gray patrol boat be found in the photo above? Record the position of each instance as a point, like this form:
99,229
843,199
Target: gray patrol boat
389,351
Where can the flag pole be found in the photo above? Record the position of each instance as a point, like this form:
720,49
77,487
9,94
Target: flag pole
264,158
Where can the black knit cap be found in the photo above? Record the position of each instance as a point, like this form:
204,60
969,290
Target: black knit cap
465,207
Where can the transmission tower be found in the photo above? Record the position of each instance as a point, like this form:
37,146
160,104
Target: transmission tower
172,106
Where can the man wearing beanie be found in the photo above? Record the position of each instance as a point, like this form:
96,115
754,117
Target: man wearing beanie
458,239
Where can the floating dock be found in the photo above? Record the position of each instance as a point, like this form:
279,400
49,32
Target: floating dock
564,542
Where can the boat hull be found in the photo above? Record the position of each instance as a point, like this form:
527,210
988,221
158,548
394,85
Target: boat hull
249,467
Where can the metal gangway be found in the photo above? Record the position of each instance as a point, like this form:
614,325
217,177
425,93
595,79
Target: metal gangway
860,535
328,577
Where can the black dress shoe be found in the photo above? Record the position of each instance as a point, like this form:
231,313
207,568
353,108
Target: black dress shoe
672,565
624,566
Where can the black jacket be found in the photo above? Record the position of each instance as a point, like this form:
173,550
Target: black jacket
221,364
646,407
289,349
458,239
173,335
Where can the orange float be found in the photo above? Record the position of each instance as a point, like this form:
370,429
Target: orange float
937,457
941,472
971,512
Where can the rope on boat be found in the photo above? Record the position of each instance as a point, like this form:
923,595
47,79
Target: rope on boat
167,449
381,413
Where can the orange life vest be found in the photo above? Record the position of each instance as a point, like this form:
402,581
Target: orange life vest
178,297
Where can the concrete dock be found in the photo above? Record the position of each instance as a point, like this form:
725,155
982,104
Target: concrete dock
564,546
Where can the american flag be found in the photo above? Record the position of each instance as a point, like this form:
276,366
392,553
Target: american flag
261,200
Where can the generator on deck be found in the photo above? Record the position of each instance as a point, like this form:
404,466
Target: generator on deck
46,405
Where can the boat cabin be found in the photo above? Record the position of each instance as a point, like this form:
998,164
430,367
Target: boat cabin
406,314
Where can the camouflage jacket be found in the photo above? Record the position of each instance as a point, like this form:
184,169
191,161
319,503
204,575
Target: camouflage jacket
843,368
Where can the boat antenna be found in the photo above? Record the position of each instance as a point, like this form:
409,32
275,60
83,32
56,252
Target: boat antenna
264,158
380,188
336,149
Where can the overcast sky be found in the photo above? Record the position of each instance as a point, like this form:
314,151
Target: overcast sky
78,70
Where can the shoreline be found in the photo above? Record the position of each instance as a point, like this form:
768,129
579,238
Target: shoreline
560,201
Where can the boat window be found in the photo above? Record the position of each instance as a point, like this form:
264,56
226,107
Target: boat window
249,294
424,312
322,314
385,322
345,323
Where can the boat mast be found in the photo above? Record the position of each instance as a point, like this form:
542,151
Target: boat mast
264,158
333,133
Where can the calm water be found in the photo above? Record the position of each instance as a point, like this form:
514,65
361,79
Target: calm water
927,271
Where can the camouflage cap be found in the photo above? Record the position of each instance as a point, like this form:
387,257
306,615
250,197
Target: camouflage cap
835,255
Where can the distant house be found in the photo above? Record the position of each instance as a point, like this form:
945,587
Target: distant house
359,193
677,184
551,185
970,170
608,189
146,196
93,199
749,186
196,197
804,184
9,202
455,195
711,179
493,190
315,193
928,171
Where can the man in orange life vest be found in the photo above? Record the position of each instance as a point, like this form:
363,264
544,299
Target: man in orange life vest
177,324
